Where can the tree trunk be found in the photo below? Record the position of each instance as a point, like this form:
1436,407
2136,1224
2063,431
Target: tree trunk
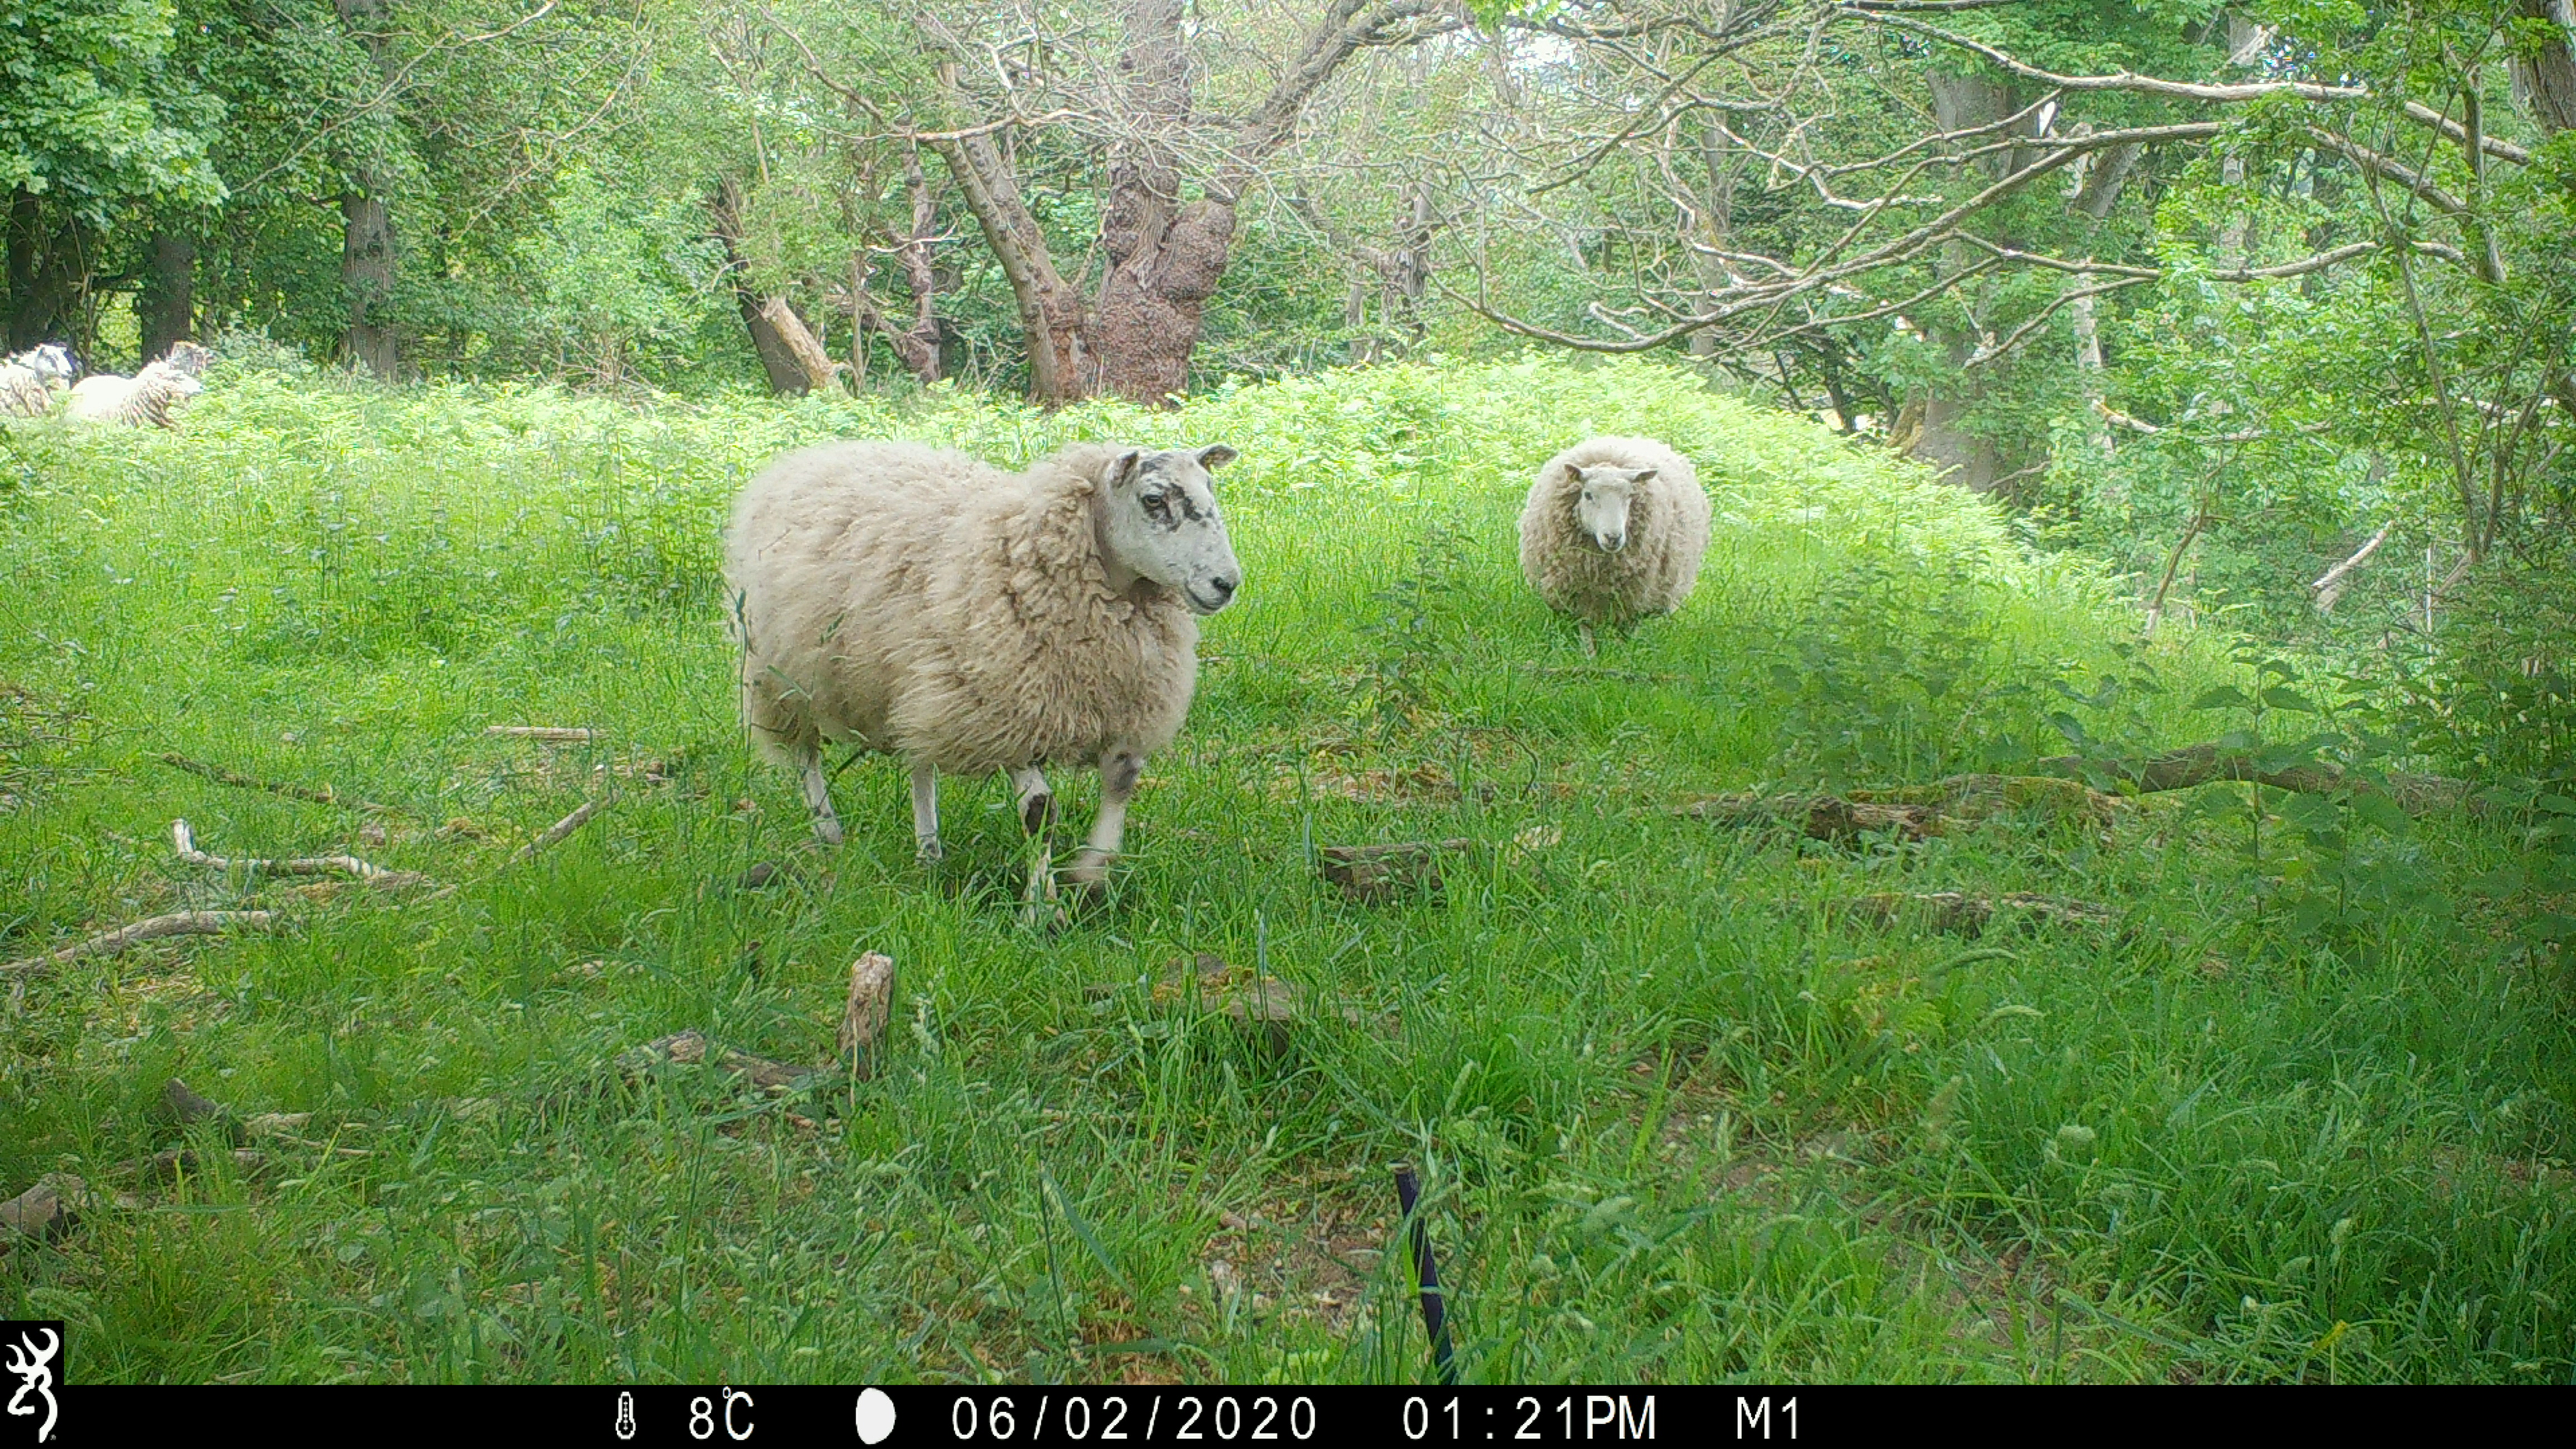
916,344
1716,224
1165,258
777,362
1961,457
1052,321
366,227
2544,85
166,308
2098,183
45,275
803,348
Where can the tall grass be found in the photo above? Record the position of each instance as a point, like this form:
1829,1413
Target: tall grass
1678,1118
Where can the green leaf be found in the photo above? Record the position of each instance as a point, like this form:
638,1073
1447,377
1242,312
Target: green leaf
2281,696
2225,696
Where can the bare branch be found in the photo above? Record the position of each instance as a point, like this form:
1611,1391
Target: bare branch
2116,81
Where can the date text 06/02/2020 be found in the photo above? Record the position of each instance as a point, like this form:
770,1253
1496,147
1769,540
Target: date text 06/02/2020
1233,1417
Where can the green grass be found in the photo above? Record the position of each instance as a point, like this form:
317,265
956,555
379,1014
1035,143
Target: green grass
1677,1119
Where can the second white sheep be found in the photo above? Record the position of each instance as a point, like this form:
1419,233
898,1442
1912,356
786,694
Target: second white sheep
1613,531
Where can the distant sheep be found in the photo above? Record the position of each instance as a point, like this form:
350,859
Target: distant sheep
146,397
27,380
924,604
1614,530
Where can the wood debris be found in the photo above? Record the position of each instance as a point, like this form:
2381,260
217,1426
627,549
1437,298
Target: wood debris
863,1017
184,841
1247,997
1371,874
177,923
44,1211
691,1048
547,734
222,776
1966,914
1912,812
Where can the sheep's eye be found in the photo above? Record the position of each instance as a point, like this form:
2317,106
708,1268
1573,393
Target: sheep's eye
1158,504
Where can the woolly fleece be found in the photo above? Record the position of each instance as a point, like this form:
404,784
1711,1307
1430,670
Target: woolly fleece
920,602
1667,534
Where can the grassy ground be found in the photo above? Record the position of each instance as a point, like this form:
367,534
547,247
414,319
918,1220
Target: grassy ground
2294,1114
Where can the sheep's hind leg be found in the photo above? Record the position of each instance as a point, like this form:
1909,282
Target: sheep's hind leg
818,792
925,813
1584,632
1119,772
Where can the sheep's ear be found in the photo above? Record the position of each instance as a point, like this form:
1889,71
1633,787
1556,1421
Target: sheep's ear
1574,474
1642,475
1217,457
1122,470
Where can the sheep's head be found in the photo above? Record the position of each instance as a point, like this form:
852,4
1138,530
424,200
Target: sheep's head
190,358
51,362
1603,501
1161,523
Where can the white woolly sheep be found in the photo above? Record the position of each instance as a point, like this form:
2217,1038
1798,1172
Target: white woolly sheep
27,380
921,603
1613,531
146,397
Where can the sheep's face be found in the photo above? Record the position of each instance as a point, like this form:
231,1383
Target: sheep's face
189,358
1602,505
1162,523
51,362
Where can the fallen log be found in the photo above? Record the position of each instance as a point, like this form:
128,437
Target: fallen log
1910,812
1375,873
177,923
2196,765
549,734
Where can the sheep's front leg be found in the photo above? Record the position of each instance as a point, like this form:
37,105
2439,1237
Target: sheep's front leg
818,792
1119,772
1037,815
1036,801
925,813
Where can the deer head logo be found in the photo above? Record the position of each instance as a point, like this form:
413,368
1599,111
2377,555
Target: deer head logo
30,1364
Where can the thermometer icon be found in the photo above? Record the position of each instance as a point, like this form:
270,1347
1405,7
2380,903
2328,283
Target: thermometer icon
625,1415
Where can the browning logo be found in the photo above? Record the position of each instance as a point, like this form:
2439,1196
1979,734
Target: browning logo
34,1352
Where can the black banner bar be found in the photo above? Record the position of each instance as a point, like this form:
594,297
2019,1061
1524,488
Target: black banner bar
723,1416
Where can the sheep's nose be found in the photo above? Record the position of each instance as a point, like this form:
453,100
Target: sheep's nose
1224,586
1614,542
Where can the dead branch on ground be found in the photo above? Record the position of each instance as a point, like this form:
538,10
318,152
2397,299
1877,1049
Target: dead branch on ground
184,840
177,923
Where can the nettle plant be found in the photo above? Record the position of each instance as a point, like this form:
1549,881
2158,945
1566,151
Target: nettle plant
2344,861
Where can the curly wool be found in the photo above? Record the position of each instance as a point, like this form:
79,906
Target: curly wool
1667,534
146,397
925,604
22,393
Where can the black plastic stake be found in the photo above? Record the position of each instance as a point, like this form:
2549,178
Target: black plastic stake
1435,1313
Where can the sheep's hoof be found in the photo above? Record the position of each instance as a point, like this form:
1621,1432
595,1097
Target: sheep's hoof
827,830
1089,873
1036,811
929,852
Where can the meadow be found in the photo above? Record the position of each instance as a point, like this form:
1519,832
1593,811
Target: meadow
2298,1109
